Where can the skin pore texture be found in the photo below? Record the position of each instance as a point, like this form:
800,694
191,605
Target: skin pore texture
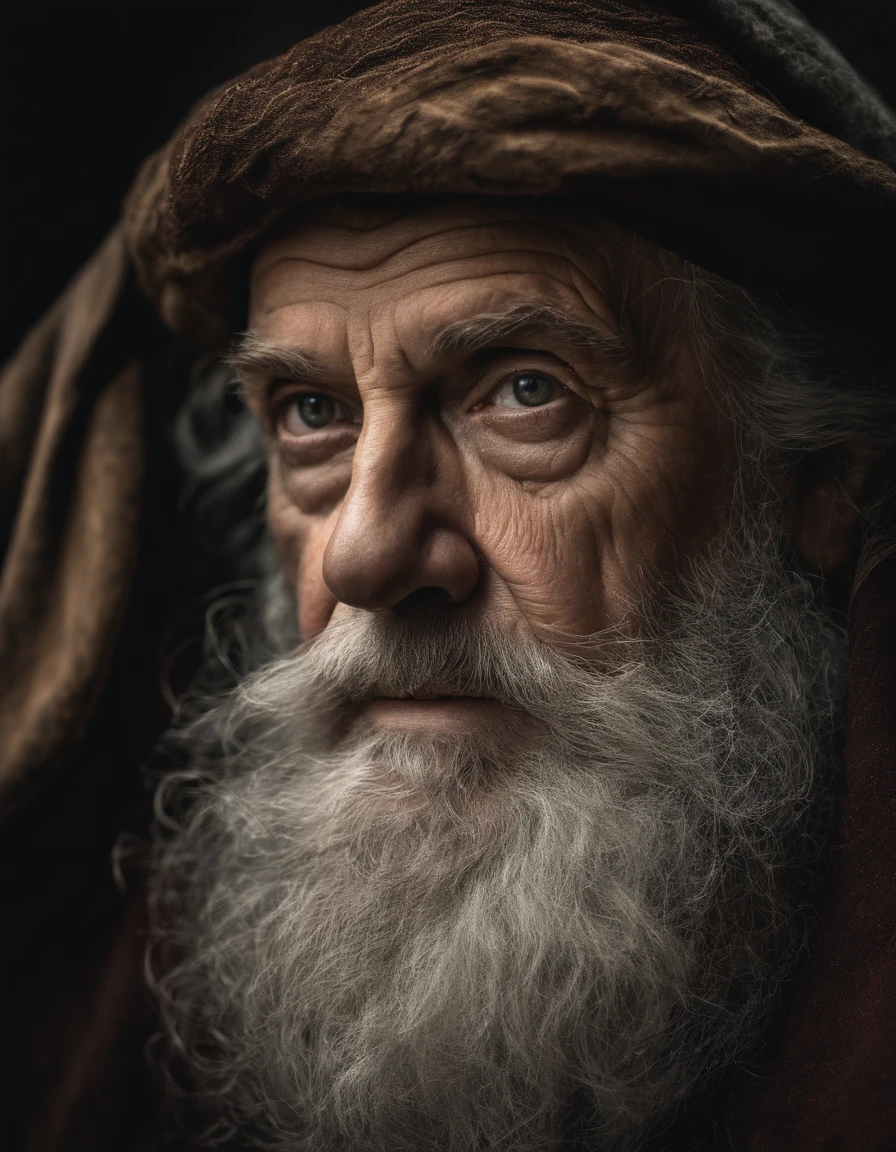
426,474
510,853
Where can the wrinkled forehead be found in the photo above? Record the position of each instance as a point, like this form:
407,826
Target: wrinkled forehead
363,240
429,261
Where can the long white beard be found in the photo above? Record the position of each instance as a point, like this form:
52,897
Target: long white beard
385,942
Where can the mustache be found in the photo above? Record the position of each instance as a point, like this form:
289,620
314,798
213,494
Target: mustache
426,653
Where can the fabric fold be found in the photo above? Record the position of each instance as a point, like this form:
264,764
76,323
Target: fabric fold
831,1086
71,466
638,114
626,105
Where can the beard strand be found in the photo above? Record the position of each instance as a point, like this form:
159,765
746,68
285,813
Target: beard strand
374,940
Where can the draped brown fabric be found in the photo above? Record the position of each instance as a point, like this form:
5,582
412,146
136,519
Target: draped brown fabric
623,105
71,463
620,105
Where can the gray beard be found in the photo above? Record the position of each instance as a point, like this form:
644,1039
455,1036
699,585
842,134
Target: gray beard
370,940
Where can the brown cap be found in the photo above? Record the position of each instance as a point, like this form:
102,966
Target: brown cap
636,113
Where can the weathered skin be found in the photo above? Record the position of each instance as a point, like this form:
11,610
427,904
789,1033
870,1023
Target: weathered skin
552,518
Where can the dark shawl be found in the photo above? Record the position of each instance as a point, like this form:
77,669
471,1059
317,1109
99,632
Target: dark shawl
649,114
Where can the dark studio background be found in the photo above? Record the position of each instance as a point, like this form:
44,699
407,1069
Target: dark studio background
89,88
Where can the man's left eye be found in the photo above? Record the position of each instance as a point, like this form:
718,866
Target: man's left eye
310,411
527,390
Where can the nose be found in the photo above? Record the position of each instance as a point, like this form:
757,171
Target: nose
403,525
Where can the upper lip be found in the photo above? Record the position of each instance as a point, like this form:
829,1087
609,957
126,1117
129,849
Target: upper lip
423,694
434,693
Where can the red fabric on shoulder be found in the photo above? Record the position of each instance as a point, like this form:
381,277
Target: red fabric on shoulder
832,1085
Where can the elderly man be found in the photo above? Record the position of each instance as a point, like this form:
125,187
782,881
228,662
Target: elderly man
503,816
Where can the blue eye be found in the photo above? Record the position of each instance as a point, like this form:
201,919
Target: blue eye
308,412
528,389
315,409
533,388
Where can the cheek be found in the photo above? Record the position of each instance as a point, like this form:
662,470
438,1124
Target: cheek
315,600
301,540
577,556
288,526
547,546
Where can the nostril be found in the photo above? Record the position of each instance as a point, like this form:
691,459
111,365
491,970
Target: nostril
376,557
426,598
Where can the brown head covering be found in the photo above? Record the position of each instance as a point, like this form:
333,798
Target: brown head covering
634,111
627,107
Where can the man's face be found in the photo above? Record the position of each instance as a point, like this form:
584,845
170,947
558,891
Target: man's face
443,882
468,417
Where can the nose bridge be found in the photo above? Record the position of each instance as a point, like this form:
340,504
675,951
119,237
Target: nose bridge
394,533
395,454
393,474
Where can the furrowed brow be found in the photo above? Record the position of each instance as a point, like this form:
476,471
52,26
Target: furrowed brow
256,361
475,332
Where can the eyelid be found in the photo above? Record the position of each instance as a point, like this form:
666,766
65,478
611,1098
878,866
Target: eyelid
499,375
507,383
284,392
304,438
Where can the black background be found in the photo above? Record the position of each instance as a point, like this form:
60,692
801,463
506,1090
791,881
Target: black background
89,88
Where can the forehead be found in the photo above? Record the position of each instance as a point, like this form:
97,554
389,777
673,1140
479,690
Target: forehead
356,258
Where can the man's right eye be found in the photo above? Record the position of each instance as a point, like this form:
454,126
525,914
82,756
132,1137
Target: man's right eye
309,412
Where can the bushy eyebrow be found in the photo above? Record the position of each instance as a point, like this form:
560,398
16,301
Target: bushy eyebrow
475,332
255,360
